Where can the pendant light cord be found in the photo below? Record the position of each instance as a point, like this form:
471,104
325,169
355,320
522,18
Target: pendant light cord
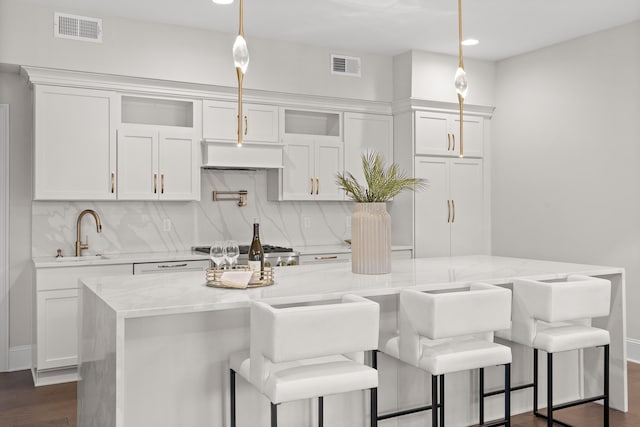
461,64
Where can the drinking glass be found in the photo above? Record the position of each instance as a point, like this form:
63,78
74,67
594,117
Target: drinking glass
233,251
217,253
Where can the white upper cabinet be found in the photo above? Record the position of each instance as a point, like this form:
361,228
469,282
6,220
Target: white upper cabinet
310,169
179,166
366,133
438,134
155,156
298,180
157,165
329,162
313,155
74,143
220,121
137,164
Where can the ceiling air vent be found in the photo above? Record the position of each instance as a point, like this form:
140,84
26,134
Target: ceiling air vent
345,65
77,27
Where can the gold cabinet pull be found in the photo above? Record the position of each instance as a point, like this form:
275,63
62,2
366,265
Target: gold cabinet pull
312,186
155,183
317,185
162,183
453,209
246,125
454,143
321,257
448,143
448,211
113,182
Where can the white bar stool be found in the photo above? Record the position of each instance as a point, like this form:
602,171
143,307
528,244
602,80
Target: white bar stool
556,317
308,351
448,332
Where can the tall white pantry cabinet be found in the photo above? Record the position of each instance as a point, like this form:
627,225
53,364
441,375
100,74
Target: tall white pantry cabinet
451,216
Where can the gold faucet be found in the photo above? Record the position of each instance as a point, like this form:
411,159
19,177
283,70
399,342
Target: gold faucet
79,245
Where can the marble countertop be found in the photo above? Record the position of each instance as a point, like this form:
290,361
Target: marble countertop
174,293
130,258
112,259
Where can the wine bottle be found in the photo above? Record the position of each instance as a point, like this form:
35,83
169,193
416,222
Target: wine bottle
256,254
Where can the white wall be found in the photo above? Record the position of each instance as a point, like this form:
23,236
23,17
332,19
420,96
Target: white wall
432,78
142,49
566,155
14,91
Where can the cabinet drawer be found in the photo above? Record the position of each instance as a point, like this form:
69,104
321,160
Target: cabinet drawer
325,258
170,266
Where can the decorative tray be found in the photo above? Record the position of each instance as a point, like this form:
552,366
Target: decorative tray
214,277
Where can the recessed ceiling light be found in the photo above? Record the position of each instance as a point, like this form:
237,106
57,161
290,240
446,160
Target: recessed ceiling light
470,42
222,1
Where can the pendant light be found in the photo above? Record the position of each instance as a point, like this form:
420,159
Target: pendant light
241,62
460,79
240,54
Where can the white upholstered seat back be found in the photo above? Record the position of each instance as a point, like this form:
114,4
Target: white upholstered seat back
483,308
579,298
306,332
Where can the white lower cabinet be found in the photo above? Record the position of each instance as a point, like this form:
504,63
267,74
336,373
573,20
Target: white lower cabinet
158,165
55,350
57,326
448,216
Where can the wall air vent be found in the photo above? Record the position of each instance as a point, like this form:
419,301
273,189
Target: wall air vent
77,27
345,65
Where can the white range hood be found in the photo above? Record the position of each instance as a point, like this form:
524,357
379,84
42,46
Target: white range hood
251,155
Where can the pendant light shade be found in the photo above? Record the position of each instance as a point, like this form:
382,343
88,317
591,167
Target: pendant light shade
460,82
241,54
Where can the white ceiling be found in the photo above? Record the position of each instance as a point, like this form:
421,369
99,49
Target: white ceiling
504,27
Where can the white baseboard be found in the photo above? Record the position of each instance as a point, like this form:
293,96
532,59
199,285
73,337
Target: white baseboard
19,358
633,350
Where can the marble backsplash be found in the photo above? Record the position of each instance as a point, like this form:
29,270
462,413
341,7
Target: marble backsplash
176,226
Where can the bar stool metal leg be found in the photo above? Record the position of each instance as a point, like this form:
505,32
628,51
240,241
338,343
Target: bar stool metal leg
481,386
232,382
507,395
320,411
374,407
535,381
606,386
434,400
549,389
441,403
274,415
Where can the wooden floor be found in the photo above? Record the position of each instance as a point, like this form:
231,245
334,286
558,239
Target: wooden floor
23,405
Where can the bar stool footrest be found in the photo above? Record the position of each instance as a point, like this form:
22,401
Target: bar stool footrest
494,423
501,391
405,412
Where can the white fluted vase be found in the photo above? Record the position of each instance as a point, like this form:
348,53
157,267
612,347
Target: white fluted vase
371,239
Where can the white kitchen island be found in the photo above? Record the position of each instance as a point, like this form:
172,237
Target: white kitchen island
154,349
